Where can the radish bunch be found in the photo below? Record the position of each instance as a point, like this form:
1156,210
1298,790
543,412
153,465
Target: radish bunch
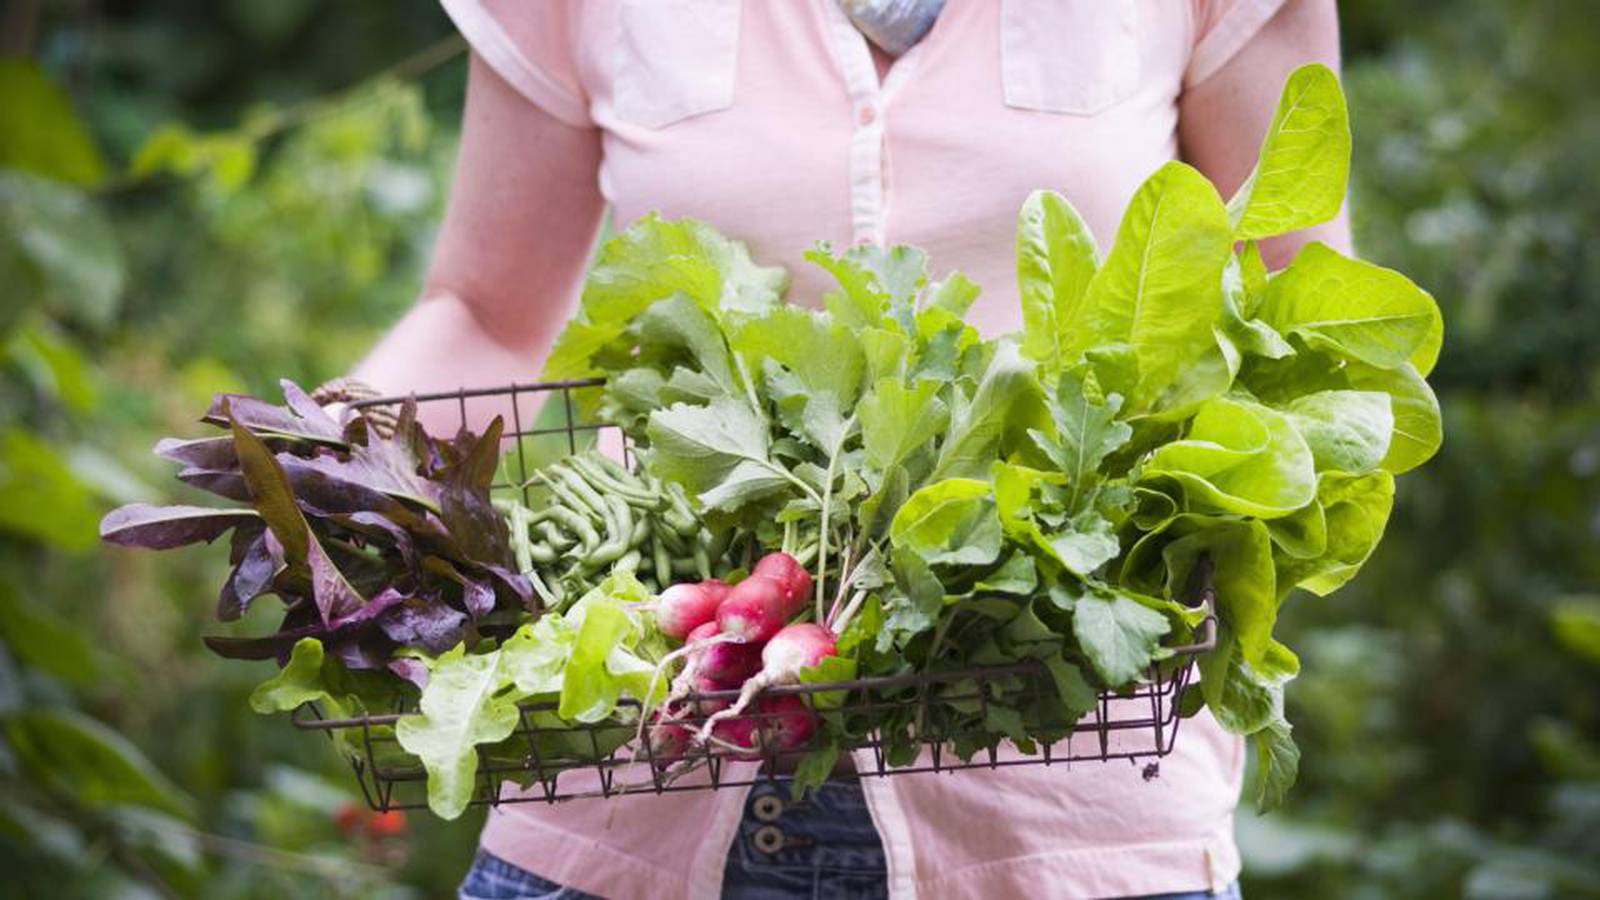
739,638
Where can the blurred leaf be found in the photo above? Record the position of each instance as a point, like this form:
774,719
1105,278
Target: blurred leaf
1576,622
40,498
41,640
82,758
57,249
55,365
39,132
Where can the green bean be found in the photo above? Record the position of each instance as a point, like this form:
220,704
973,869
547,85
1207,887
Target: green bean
683,567
641,531
616,469
678,515
566,496
623,515
619,529
580,487
673,540
577,524
630,561
663,562
520,546
558,540
717,546
635,493
702,563
541,553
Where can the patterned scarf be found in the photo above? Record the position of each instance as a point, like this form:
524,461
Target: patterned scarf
894,26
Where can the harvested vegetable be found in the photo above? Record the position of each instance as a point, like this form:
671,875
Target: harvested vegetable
887,491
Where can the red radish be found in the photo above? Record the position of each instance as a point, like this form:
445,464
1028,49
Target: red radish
798,646
669,741
728,662
786,570
684,607
794,648
705,684
779,724
756,609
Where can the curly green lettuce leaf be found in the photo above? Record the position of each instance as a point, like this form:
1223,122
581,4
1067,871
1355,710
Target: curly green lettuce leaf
1346,430
1355,310
949,522
1239,457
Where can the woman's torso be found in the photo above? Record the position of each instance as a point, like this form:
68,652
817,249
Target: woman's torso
768,120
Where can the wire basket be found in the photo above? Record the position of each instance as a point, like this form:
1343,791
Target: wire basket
918,722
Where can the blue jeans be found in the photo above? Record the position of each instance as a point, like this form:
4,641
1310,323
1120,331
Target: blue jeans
824,846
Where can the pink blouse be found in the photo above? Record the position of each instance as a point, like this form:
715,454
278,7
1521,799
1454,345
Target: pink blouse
769,121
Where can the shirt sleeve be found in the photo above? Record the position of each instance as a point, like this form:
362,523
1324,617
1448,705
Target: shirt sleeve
1221,29
532,45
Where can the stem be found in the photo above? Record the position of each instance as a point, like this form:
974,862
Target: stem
839,625
794,479
846,575
749,385
827,503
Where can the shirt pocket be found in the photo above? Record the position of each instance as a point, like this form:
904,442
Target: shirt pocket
674,59
1077,57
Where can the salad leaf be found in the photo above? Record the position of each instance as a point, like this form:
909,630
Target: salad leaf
1355,310
1119,635
1299,179
1239,457
951,522
1160,290
1056,258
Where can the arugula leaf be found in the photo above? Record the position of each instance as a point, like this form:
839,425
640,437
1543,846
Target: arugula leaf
1277,764
719,451
1086,432
1299,178
1056,258
897,420
1007,402
875,282
651,260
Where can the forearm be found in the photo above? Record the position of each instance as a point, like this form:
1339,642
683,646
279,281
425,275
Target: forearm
510,258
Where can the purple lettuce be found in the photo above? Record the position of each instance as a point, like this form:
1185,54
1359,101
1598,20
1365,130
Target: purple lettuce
374,544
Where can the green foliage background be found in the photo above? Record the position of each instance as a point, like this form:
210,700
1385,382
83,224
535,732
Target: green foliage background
208,196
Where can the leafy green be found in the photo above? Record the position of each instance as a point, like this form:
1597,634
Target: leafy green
1119,635
1160,289
1056,258
1299,179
